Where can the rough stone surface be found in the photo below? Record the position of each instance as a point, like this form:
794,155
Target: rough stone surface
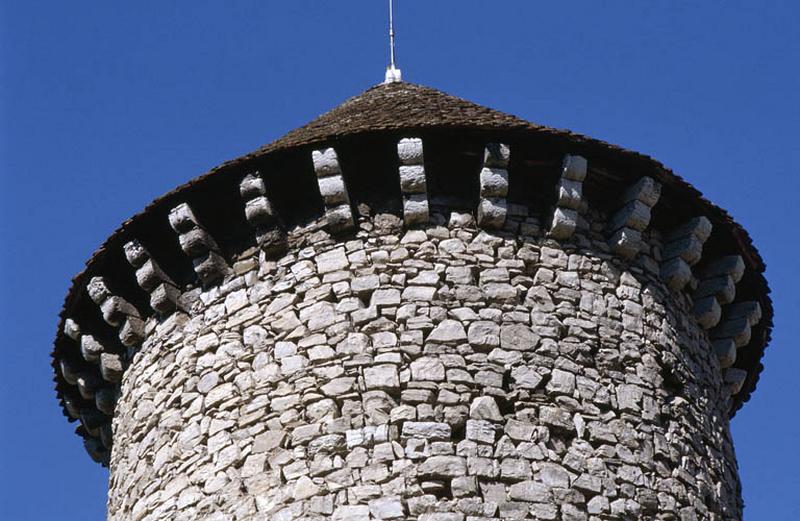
441,374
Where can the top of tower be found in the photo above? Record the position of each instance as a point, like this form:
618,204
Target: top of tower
387,112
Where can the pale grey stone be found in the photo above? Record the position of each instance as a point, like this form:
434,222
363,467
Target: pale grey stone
485,408
443,466
428,369
480,431
561,382
385,297
494,182
532,491
518,337
448,332
330,261
484,334
387,508
381,377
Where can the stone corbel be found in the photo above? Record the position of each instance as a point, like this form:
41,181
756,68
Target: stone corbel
682,250
151,278
628,223
413,184
332,187
569,197
261,215
198,245
492,208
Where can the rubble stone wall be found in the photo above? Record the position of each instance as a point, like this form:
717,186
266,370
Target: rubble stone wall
440,374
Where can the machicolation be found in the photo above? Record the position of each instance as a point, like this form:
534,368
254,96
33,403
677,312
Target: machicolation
415,307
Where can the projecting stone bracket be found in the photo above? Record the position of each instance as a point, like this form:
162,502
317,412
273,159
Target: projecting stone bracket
151,278
734,332
196,243
682,250
413,183
333,189
734,378
628,223
88,384
716,288
261,215
492,208
117,312
569,197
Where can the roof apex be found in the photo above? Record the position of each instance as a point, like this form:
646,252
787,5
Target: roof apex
397,106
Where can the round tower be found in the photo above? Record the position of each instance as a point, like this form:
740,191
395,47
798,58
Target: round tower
415,307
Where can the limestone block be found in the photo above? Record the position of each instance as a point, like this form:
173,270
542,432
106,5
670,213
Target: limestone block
182,218
409,151
72,329
626,242
569,193
164,298
340,218
149,275
91,348
196,242
646,190
326,162
494,182
707,311
676,273
67,372
443,466
492,213
431,431
574,168
87,383
722,287
725,350
381,377
732,266
210,268
496,155
689,248
333,190
386,508
111,367
533,491
484,334
412,179
106,399
98,290
565,221
750,310
485,408
635,215
735,378
252,186
736,328
699,227
259,211
116,309
415,209
427,369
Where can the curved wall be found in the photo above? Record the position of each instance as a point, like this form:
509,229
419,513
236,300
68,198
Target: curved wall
442,373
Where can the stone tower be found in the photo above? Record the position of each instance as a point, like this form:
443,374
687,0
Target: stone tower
415,307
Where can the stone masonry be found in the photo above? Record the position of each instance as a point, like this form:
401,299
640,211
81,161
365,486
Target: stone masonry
509,361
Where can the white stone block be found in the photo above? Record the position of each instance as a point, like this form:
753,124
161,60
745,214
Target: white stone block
409,151
326,162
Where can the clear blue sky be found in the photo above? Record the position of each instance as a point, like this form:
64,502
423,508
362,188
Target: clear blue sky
106,105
